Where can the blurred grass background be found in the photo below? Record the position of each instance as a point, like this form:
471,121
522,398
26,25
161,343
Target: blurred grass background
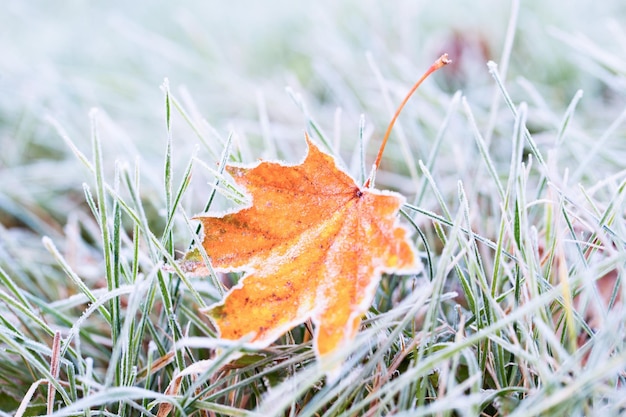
229,64
61,59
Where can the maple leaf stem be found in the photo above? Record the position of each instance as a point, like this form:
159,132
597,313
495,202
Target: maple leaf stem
440,62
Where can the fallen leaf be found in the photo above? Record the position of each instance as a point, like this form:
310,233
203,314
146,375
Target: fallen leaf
313,245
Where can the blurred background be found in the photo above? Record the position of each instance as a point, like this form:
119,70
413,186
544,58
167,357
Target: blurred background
248,68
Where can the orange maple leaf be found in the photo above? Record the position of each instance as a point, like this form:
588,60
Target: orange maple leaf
313,246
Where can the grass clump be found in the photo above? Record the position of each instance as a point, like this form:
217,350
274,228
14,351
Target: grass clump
513,171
